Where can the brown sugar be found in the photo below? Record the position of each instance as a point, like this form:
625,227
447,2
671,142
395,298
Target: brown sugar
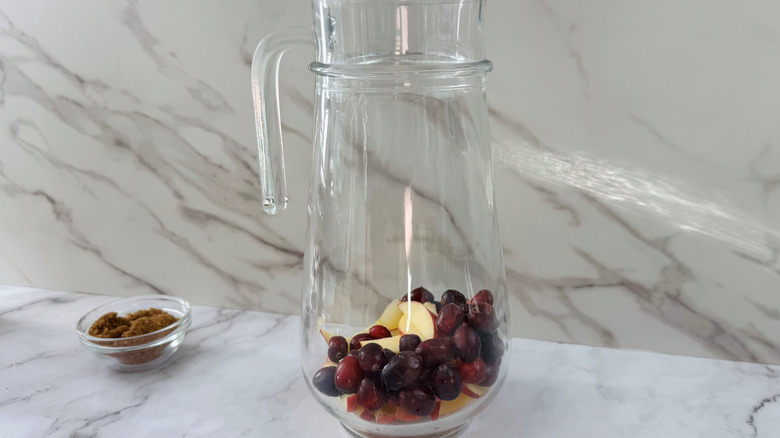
133,324
137,323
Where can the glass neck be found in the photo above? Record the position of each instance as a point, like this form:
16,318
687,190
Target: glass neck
399,31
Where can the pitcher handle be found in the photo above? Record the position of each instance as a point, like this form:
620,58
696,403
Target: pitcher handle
265,93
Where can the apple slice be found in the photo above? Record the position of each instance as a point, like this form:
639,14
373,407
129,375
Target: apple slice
432,308
327,335
417,319
391,343
368,416
328,363
389,319
448,407
474,391
390,316
403,325
385,415
349,401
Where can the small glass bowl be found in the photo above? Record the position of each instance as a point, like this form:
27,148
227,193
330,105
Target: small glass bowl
143,352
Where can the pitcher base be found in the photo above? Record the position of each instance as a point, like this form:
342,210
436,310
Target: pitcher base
450,433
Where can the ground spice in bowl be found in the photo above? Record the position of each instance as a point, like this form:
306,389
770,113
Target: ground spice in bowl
143,322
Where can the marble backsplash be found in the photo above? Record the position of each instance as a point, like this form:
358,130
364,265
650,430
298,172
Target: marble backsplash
636,146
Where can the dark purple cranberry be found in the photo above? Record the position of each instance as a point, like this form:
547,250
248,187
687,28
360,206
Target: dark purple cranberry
483,296
492,347
468,345
417,401
435,352
424,379
491,374
408,342
402,370
472,372
421,295
324,381
438,306
446,382
450,318
452,297
372,358
379,332
355,343
370,395
389,354
348,375
337,348
482,317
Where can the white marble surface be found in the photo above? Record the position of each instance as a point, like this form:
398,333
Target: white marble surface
234,375
636,144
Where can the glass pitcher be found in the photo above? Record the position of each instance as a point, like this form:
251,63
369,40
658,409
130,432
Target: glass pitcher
404,309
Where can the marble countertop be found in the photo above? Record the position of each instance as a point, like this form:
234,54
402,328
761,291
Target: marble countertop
234,376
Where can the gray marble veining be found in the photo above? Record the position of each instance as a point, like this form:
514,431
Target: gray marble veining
637,169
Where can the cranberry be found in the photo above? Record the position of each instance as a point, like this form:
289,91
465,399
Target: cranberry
371,358
472,372
403,369
435,352
408,342
337,348
483,296
355,343
446,382
417,401
452,297
379,332
482,317
491,374
348,375
450,318
370,395
420,294
468,345
323,380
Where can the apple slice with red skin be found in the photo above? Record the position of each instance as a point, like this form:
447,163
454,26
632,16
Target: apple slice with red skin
350,402
386,414
391,343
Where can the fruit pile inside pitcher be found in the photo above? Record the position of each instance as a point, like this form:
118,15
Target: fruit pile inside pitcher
422,358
